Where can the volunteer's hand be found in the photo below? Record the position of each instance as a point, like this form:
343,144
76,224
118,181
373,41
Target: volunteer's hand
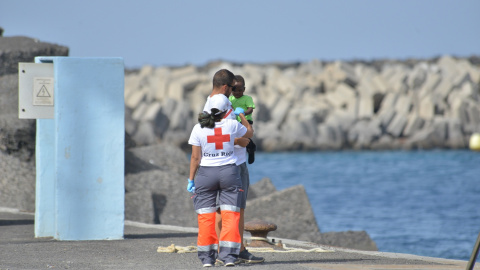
239,111
191,186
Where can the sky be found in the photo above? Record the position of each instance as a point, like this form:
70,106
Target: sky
177,33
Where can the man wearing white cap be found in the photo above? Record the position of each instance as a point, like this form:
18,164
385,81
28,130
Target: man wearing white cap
223,84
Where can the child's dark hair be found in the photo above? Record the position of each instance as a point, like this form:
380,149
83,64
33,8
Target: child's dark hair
208,119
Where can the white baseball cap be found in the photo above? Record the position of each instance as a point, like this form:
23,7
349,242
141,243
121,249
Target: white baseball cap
220,102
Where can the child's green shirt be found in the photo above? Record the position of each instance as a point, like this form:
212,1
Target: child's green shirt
243,102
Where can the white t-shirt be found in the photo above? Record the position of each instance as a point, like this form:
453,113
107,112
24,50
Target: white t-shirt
240,152
217,143
229,115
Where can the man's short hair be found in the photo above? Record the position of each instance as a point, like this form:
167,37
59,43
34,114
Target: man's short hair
222,77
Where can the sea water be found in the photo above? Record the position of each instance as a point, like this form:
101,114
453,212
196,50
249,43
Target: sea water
419,202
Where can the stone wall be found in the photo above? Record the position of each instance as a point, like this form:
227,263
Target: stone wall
17,136
24,49
319,105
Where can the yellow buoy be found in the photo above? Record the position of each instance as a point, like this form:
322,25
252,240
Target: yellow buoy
475,142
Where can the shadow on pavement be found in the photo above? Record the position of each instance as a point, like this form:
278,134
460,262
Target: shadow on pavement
159,235
339,261
9,222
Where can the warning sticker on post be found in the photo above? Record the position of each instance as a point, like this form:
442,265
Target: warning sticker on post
43,94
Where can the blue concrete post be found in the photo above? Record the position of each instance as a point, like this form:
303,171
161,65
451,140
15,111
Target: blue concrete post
80,153
45,179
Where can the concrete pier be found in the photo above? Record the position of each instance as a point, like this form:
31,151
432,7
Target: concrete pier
21,250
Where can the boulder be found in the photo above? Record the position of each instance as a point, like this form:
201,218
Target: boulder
456,139
135,98
159,83
139,111
262,112
344,98
362,134
132,83
403,104
279,111
427,108
433,135
385,118
440,132
443,88
267,136
343,72
130,124
329,137
162,156
162,119
431,82
417,76
350,239
473,111
395,78
340,119
395,128
379,84
197,100
164,193
385,142
365,106
421,139
414,124
176,90
253,75
144,134
472,70
261,188
299,130
152,111
181,119
24,49
17,183
289,209
447,65
17,136
139,206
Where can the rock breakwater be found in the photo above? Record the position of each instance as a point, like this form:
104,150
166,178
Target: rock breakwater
316,105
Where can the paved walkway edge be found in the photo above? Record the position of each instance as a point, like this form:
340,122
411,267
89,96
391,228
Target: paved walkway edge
297,243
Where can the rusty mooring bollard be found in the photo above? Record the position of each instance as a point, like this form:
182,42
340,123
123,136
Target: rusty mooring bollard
259,230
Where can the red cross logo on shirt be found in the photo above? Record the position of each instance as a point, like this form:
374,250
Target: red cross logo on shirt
218,138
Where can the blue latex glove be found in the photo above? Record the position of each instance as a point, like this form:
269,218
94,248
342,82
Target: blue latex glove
239,111
191,186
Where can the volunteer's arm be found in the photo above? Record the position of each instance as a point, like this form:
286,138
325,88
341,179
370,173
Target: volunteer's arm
195,161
